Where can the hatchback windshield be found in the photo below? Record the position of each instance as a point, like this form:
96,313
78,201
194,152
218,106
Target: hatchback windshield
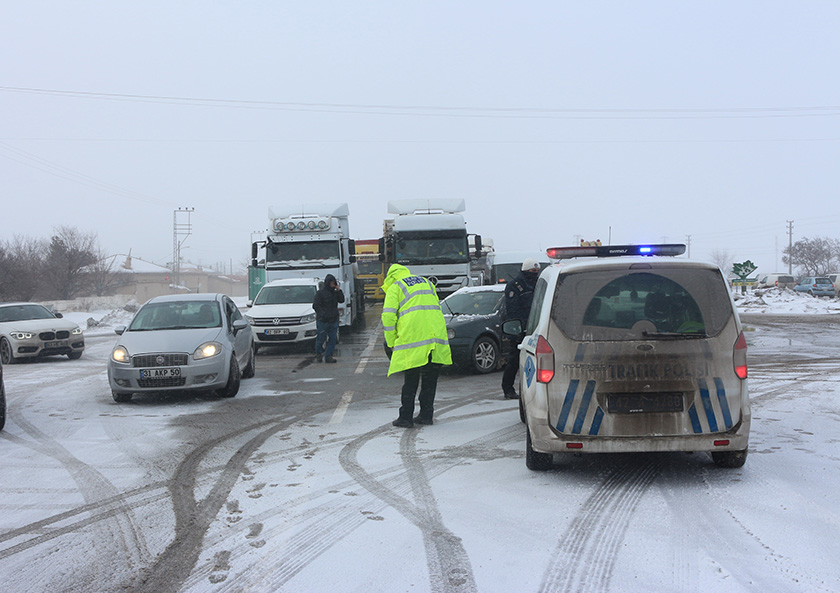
24,312
473,303
177,315
285,295
627,305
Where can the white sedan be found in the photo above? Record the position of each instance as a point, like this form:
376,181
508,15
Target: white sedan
30,330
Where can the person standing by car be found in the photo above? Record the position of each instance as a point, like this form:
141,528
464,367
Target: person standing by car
415,331
519,293
326,318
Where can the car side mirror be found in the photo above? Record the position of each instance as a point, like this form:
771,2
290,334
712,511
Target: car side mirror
249,304
239,325
513,328
58,315
119,330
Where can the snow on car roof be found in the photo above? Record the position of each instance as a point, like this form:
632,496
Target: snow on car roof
483,288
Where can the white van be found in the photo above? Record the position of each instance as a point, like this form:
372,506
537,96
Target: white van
629,351
777,280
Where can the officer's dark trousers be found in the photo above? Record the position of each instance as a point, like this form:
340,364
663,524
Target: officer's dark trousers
511,368
427,377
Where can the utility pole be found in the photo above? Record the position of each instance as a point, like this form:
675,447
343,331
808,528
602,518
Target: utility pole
790,246
179,229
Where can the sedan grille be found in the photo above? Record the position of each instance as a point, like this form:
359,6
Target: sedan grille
162,382
47,336
160,360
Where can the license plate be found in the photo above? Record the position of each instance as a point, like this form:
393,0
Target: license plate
276,332
160,373
59,344
639,403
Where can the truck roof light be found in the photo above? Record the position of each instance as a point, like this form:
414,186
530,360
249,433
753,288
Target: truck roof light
311,224
301,225
322,224
290,226
670,249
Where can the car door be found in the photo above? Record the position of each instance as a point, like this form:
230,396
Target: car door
242,339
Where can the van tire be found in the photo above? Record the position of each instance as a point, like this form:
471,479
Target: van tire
729,458
535,461
521,409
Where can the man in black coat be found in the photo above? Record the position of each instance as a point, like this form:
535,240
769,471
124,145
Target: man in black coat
326,318
519,294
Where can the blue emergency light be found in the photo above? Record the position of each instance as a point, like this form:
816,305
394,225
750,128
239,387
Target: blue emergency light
670,249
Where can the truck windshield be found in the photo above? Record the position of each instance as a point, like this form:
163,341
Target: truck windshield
431,247
369,266
301,253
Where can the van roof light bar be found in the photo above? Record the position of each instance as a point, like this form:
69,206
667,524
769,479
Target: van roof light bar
671,249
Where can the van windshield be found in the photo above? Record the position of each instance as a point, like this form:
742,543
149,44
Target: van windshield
622,304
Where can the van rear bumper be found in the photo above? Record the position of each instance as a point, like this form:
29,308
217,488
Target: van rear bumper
545,439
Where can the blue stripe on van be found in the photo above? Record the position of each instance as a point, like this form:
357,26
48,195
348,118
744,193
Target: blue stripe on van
584,407
724,404
707,405
695,420
567,404
581,349
596,422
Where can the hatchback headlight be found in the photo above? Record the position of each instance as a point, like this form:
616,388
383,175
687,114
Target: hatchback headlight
77,331
207,350
307,318
120,354
21,335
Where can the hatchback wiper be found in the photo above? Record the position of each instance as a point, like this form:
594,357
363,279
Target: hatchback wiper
674,335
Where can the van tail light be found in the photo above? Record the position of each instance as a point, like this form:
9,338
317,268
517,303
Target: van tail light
739,356
545,361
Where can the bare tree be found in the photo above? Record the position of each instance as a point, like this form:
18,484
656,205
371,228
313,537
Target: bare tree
814,257
104,276
723,259
70,251
21,268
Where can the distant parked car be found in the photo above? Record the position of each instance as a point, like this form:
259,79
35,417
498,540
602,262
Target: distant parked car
182,342
30,330
776,281
282,312
2,400
833,278
474,318
815,286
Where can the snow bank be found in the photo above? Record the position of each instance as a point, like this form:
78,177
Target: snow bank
775,301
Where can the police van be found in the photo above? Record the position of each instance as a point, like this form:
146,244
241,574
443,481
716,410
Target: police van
628,349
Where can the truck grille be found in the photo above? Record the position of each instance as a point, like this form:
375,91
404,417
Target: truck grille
160,360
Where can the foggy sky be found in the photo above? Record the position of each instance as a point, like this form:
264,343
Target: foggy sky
555,121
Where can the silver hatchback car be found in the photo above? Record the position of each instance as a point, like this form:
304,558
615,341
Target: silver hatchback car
633,354
182,342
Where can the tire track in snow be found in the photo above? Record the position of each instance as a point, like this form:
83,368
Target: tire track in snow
586,553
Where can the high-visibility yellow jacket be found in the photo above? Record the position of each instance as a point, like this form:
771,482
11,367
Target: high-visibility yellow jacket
413,322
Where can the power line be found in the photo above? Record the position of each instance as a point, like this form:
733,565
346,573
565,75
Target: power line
455,111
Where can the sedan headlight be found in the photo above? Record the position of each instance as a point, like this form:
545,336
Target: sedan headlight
307,318
21,335
207,350
450,333
77,331
120,354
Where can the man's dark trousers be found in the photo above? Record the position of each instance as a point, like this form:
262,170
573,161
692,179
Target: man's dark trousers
429,376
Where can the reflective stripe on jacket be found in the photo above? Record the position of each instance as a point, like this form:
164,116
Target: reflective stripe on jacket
413,322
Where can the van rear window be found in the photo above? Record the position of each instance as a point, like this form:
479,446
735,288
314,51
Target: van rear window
622,304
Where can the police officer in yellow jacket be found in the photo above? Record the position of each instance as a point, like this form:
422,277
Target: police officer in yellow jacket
415,330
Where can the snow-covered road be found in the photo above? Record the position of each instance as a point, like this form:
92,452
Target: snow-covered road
300,483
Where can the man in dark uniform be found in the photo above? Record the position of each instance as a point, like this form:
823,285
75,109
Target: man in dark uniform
326,318
519,293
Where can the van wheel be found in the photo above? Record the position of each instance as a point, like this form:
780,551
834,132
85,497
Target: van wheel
729,458
521,408
231,388
485,355
538,462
